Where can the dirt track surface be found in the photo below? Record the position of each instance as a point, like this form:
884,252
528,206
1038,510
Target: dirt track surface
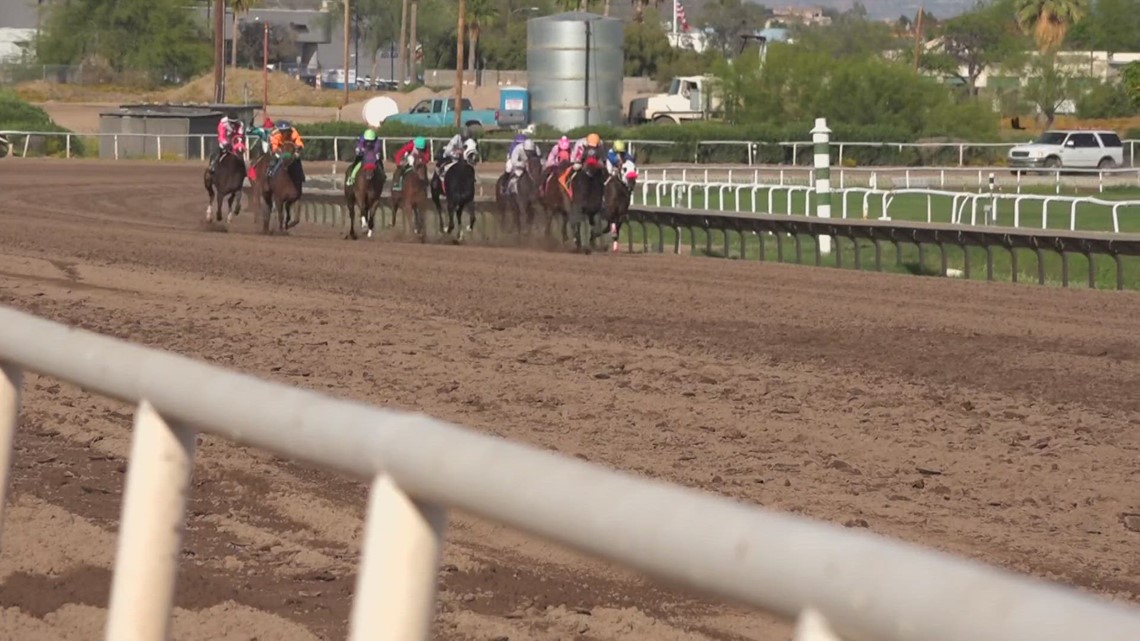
994,421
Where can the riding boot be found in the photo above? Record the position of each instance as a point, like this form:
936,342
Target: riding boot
273,167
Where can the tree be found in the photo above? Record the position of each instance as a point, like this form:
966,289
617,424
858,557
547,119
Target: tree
646,47
639,7
480,13
729,19
1111,25
1049,20
1130,77
158,37
1048,87
973,41
238,7
282,44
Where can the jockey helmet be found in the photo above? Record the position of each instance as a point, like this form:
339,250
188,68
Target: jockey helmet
232,116
563,143
593,140
528,145
267,123
619,146
284,126
369,134
419,143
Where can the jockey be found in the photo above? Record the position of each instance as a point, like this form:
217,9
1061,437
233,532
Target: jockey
515,143
282,132
616,156
230,130
451,152
559,153
516,163
368,147
587,149
409,151
261,133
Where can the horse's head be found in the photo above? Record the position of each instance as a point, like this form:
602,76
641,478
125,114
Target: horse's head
629,173
471,151
592,166
288,148
534,168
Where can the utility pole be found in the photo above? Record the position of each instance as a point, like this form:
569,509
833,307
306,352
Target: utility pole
347,26
459,64
219,51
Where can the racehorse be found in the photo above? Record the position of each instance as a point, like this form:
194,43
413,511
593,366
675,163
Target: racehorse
584,202
281,190
616,199
365,192
525,199
458,188
227,179
412,196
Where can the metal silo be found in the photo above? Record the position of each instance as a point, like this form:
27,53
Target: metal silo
575,65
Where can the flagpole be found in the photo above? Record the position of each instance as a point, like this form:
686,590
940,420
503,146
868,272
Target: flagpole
675,21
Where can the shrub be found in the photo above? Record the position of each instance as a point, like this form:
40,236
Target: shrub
18,115
1105,100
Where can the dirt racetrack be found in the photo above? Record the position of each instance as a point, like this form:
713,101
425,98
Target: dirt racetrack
995,421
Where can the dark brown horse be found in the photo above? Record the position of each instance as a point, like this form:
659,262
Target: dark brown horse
457,187
522,204
365,192
556,199
412,196
618,193
280,190
226,181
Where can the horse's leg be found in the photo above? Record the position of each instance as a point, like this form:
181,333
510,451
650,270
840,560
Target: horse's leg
351,203
236,201
210,206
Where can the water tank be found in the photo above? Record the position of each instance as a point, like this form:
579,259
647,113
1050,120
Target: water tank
575,65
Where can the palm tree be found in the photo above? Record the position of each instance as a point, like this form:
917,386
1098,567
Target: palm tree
238,7
478,13
1049,20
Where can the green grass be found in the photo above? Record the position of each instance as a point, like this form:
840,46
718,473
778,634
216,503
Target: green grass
918,207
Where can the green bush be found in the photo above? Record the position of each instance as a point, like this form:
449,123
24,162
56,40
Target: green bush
18,115
1105,100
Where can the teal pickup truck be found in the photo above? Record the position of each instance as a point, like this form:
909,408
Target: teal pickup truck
440,112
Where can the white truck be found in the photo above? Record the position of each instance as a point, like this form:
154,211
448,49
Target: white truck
689,98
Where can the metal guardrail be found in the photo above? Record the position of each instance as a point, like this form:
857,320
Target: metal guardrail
877,232
859,585
342,146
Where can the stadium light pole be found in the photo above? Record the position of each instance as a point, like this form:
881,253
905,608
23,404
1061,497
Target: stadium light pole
459,64
347,26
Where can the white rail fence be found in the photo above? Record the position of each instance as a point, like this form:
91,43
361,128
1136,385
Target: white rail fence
152,145
861,585
836,581
1078,213
903,177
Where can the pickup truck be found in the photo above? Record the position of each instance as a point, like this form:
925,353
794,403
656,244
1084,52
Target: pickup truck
440,112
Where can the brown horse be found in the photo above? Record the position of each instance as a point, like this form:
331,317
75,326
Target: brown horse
365,191
280,190
525,199
555,199
226,180
412,196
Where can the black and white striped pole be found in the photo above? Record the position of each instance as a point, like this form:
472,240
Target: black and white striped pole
821,143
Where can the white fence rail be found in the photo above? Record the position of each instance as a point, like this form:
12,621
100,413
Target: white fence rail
864,586
1080,213
903,177
24,141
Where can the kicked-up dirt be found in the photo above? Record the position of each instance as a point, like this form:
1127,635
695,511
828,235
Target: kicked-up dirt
994,421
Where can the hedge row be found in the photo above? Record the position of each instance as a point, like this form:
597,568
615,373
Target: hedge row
695,142
17,115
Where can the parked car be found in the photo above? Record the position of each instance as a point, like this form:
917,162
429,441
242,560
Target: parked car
440,112
1065,149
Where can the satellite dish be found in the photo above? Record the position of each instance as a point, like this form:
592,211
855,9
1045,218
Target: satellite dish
377,109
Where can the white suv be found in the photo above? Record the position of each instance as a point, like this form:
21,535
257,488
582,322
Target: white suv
1063,149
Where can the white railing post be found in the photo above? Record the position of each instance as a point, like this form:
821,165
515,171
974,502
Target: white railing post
395,587
150,530
10,378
